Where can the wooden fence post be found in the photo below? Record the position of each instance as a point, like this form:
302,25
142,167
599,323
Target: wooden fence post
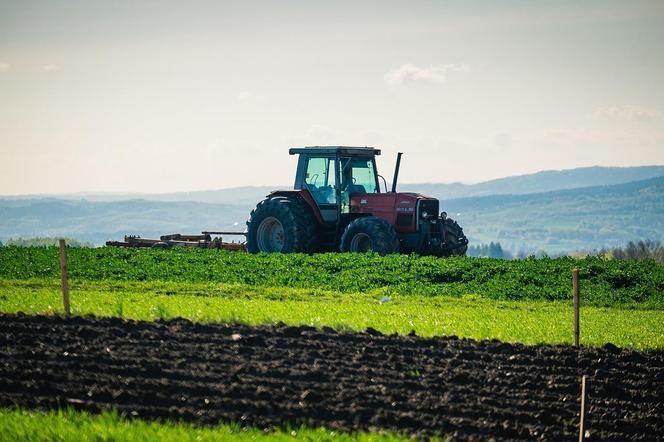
63,276
575,290
582,418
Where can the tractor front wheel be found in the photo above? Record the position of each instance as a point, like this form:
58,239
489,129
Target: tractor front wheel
370,234
457,244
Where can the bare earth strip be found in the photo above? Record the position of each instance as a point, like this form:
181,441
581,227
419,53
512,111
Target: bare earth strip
278,375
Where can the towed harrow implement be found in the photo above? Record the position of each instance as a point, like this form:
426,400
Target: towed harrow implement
204,241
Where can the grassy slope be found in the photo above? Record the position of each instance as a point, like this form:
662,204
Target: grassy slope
604,283
69,425
470,316
563,221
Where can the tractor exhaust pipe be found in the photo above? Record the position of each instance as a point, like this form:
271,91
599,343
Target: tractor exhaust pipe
396,172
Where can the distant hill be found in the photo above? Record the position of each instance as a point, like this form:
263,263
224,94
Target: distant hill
565,220
546,181
556,222
98,222
539,182
233,195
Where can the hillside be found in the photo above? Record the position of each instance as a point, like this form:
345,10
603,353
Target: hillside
565,220
555,222
98,222
545,181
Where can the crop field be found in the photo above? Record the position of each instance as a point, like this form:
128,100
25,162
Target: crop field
471,316
605,282
468,348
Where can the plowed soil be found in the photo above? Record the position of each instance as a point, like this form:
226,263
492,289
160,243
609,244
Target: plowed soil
271,376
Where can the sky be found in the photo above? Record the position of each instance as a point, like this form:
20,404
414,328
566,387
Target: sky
163,96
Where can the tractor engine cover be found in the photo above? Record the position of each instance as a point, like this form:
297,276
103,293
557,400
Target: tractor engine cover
399,209
415,217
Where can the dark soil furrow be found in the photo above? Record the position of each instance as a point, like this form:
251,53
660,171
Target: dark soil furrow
281,375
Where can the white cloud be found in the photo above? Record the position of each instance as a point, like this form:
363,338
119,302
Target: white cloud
246,97
409,73
502,139
628,112
4,66
606,140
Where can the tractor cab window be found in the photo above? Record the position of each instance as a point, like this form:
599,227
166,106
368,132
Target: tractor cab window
358,176
321,180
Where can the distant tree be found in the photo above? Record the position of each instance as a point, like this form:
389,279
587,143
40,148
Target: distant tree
46,242
491,250
523,254
647,249
496,250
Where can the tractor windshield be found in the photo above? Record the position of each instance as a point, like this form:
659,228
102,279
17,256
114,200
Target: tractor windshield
358,176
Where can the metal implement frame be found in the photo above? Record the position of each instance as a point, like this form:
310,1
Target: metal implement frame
203,241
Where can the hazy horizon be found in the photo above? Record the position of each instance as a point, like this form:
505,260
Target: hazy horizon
284,186
142,97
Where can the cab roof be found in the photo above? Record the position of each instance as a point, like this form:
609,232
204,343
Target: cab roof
335,150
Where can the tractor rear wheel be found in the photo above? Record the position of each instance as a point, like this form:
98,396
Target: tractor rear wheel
281,225
370,234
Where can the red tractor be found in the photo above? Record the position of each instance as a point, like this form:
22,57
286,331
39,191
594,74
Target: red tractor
336,204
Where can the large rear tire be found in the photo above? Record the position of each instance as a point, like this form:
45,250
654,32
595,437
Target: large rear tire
281,225
370,234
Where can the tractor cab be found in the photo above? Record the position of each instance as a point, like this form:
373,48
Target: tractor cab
332,174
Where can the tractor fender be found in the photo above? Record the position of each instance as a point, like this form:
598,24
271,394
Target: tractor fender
302,194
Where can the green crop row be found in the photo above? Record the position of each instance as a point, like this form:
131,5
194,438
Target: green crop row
528,322
603,282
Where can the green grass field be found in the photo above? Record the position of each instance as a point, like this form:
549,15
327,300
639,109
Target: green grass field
470,316
604,282
69,425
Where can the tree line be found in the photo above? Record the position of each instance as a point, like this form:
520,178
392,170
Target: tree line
45,242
